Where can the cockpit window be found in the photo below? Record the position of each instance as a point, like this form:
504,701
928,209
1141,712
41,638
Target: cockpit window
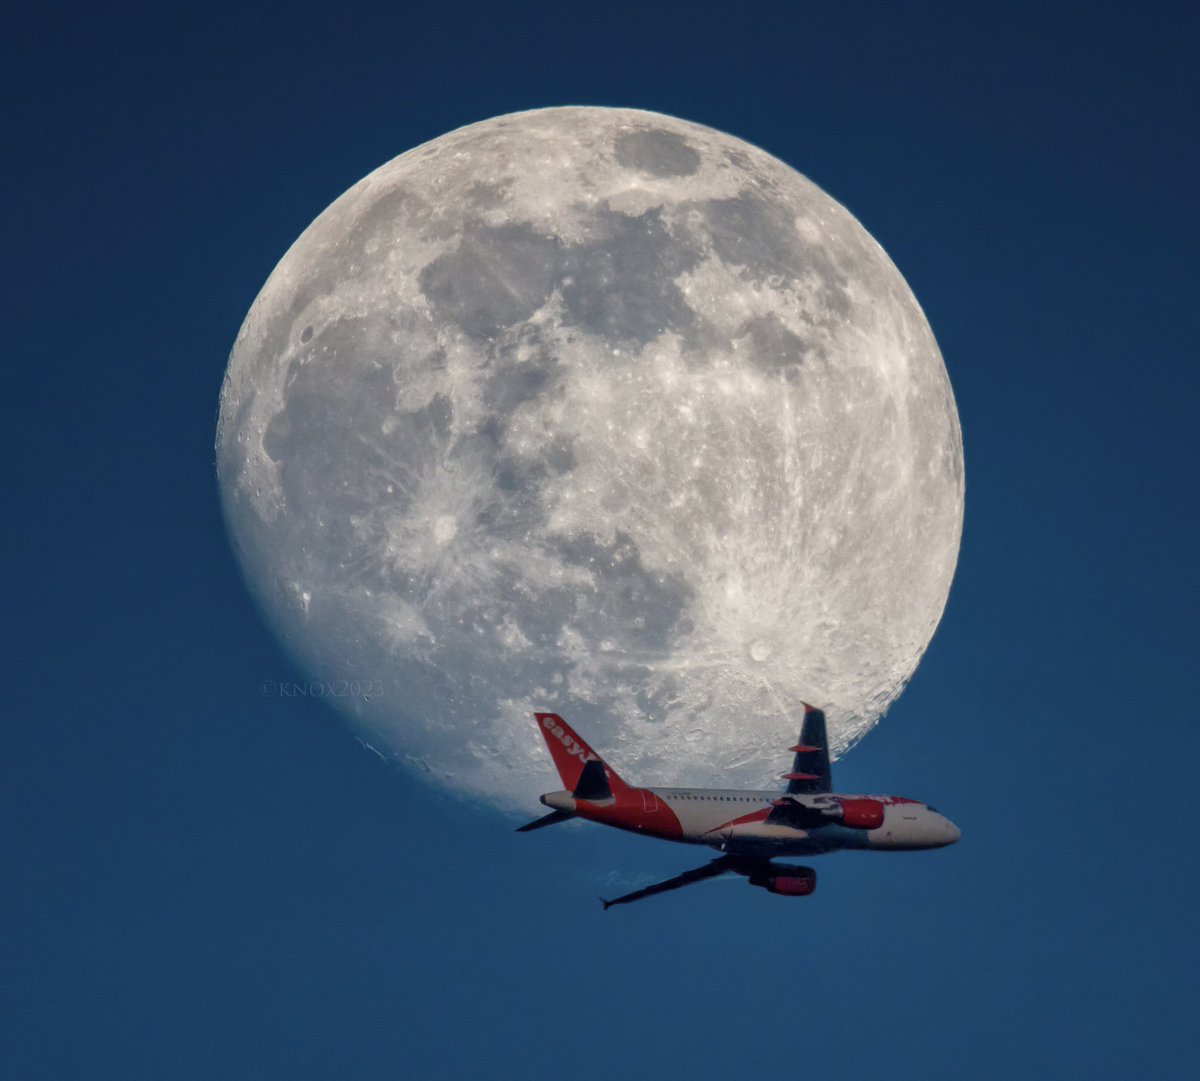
929,807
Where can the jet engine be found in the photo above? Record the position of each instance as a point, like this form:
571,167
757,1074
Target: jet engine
786,880
862,814
857,814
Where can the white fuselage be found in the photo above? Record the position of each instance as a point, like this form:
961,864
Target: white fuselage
734,821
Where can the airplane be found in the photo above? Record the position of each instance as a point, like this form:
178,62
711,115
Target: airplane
749,828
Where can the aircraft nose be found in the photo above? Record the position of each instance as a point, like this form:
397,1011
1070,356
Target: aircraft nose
953,833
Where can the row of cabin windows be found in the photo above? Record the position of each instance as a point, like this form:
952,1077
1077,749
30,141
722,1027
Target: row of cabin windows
728,799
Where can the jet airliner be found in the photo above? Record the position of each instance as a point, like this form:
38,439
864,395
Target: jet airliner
750,828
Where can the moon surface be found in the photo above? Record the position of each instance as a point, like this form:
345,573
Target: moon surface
600,412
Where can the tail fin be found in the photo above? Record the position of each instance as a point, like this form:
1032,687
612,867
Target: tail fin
810,768
582,770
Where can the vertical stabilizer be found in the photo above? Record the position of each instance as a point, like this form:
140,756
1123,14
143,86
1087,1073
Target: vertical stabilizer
582,770
810,768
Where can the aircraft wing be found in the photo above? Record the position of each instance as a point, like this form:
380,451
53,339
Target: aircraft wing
810,768
709,870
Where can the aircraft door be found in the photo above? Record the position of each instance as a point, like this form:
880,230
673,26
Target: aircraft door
649,801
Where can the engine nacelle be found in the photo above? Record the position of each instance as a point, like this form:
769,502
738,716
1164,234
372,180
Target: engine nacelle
792,885
787,880
862,814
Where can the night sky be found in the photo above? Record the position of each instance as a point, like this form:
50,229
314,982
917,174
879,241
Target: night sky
202,882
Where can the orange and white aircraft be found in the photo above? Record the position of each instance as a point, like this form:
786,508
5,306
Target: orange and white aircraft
750,829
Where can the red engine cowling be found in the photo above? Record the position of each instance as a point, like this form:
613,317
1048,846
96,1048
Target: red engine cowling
795,884
862,814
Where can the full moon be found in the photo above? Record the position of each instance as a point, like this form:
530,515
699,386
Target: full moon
600,412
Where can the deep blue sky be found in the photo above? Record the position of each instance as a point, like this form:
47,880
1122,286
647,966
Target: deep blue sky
200,883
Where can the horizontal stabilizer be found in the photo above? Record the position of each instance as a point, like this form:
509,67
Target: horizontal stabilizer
546,820
800,777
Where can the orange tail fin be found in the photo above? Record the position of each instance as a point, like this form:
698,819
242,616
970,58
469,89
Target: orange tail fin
571,755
